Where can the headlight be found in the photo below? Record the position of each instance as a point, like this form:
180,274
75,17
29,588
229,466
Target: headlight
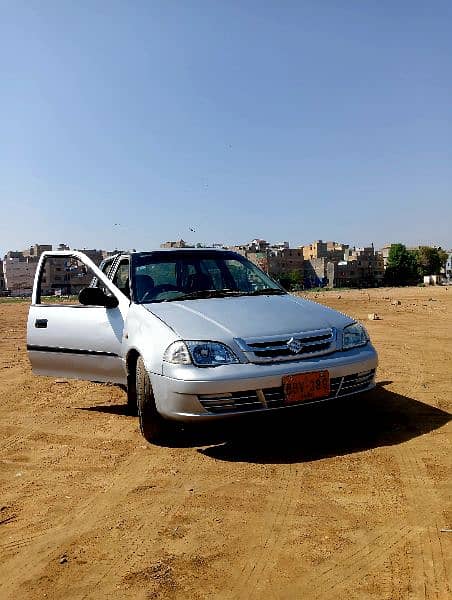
354,335
177,353
201,354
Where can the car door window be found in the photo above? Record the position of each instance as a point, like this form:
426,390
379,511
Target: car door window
121,277
61,280
65,318
105,267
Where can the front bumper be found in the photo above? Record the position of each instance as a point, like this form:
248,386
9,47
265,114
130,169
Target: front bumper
181,391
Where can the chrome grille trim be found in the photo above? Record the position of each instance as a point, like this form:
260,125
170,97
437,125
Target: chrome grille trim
235,401
275,348
274,397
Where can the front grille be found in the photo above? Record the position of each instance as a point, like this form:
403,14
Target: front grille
291,347
339,386
242,401
274,397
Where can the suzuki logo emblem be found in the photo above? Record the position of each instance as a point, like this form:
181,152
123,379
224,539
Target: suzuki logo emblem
294,345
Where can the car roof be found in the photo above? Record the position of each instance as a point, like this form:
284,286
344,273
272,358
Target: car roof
170,250
183,250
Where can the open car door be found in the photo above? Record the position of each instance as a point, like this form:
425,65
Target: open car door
75,330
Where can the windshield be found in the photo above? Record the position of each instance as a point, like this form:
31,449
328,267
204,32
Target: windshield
185,275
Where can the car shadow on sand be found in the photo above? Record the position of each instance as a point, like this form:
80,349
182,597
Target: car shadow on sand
378,418
110,409
307,433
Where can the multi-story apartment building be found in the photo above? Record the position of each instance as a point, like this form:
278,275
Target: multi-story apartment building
317,249
97,256
384,251
317,256
363,267
285,261
315,272
19,268
177,244
276,259
61,275
336,251
369,263
36,250
69,276
448,267
260,259
337,265
2,280
19,272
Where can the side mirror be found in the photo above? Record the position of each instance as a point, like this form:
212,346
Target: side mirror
92,296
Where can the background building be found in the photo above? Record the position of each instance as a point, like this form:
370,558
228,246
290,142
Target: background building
62,275
361,267
315,272
317,249
448,267
385,254
178,244
278,260
97,256
2,280
19,269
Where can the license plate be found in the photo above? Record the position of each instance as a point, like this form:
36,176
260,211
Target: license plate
306,386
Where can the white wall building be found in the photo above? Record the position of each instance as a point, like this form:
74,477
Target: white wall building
19,274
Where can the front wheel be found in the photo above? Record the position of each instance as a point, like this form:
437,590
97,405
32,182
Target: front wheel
152,425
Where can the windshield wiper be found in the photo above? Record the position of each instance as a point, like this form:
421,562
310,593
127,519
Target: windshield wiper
207,294
267,292
223,293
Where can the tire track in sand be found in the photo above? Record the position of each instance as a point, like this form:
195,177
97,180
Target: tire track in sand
262,554
335,577
431,569
147,531
39,550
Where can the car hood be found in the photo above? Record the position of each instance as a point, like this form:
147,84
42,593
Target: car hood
245,317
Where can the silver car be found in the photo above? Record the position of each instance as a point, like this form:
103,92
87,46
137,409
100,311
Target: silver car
195,335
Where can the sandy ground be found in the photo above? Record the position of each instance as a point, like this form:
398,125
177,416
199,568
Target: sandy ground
335,501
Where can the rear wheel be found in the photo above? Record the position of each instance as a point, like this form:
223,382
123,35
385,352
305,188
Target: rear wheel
152,425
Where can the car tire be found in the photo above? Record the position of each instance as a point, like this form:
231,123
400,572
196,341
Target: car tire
153,426
132,408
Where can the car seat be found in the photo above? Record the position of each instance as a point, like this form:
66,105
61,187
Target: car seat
200,281
144,285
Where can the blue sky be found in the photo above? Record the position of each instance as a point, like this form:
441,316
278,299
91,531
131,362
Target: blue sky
239,118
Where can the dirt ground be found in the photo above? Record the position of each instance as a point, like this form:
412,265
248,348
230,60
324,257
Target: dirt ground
346,500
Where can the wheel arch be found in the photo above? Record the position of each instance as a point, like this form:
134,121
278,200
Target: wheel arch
131,360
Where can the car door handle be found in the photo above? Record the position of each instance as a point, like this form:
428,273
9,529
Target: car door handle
41,323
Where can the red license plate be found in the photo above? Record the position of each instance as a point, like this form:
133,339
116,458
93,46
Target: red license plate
306,386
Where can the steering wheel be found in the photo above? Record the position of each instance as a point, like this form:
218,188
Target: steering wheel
165,287
159,289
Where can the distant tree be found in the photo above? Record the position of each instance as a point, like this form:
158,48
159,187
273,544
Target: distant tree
443,256
291,280
402,266
429,260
